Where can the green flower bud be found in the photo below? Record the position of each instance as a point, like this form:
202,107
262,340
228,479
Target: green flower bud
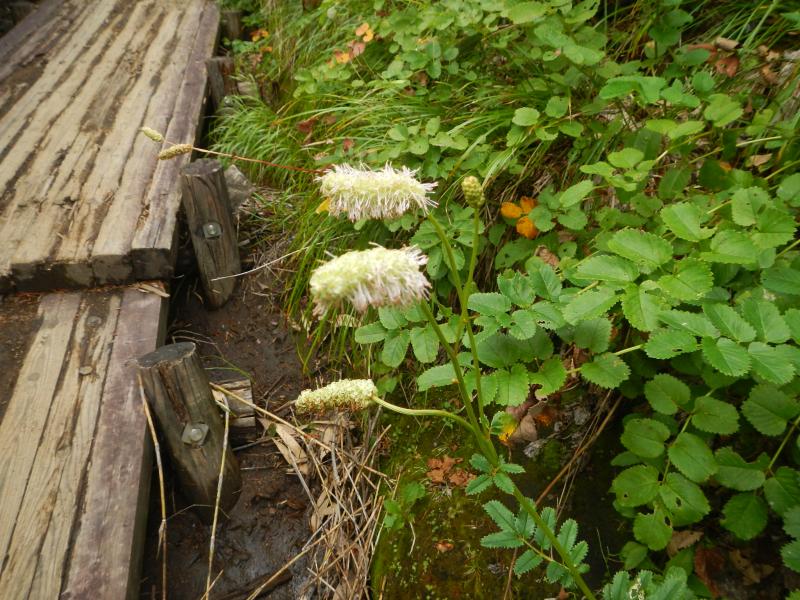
473,191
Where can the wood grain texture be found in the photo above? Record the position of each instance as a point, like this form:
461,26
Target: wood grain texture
83,199
73,485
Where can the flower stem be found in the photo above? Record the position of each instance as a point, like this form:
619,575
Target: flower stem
425,412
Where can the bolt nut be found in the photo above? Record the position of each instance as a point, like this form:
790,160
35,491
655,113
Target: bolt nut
194,434
212,230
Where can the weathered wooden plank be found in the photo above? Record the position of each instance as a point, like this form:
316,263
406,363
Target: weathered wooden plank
141,164
26,415
76,182
153,244
105,558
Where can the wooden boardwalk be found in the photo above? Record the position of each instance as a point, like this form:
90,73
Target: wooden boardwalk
83,200
84,203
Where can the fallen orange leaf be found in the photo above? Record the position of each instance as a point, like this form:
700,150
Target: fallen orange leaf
510,210
525,227
527,204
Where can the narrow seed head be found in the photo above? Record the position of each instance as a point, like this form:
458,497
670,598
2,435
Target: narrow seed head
473,191
348,395
375,277
384,194
174,151
152,134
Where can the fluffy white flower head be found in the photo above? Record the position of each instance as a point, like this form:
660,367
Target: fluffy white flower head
375,277
363,194
347,394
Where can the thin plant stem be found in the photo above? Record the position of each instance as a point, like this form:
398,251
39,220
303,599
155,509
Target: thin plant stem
220,480
427,412
783,443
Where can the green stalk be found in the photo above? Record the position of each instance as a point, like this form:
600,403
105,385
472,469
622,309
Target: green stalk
425,412
462,300
783,443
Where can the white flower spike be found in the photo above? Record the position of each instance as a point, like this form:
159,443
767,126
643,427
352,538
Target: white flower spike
375,277
363,194
349,394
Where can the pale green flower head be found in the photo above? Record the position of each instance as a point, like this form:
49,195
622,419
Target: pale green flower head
363,194
375,277
346,395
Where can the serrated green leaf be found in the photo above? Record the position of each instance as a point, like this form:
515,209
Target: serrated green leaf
504,483
666,343
792,318
791,521
694,322
547,315
666,393
692,457
501,515
728,321
526,562
782,491
744,515
501,539
545,282
636,485
619,586
517,288
606,370
782,280
683,500
590,304
370,334
731,247
480,484
684,220
436,377
612,269
768,363
764,316
790,553
568,534
525,12
395,347
498,350
726,356
674,181
490,303
627,158
769,410
736,473
690,281
644,249
715,416
645,437
480,463
424,343
652,529
774,228
722,110
391,317
512,386
593,334
575,193
523,324
550,377
641,308
746,204
525,117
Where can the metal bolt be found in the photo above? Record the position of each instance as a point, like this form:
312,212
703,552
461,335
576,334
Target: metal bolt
212,230
194,434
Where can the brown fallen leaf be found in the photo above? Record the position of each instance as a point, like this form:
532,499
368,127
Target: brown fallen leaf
682,539
760,159
444,546
707,563
768,75
726,43
727,65
460,477
547,256
753,573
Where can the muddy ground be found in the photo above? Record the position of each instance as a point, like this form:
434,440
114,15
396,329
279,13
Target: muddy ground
268,526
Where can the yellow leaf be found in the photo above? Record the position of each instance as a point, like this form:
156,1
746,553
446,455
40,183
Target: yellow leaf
526,228
510,210
323,207
527,204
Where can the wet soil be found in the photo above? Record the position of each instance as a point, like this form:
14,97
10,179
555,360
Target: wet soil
247,337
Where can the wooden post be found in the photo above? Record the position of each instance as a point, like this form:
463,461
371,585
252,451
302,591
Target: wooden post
208,214
177,388
232,24
220,79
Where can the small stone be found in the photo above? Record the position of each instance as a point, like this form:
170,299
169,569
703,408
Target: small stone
85,370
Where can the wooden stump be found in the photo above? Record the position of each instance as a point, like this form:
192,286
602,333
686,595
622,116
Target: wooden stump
177,388
232,24
208,214
220,79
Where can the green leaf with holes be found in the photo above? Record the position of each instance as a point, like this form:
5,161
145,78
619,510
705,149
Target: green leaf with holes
667,343
636,485
652,529
684,501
